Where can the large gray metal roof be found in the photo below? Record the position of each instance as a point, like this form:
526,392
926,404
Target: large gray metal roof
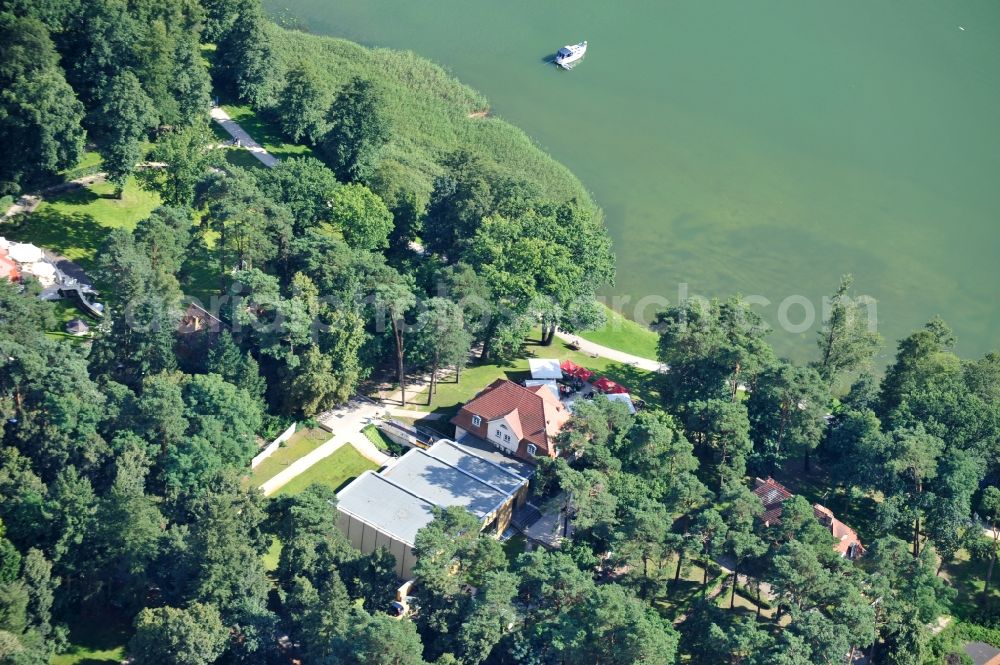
443,484
386,506
472,462
399,500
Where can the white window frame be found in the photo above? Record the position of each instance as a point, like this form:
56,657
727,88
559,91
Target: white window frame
476,421
532,449
506,438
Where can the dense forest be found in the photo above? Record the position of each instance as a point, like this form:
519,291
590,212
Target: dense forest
417,234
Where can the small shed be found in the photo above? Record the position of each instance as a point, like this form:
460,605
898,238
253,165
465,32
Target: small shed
77,327
545,369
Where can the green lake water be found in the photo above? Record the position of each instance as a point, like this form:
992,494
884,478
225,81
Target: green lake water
756,146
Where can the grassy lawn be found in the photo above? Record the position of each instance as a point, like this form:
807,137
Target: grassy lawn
96,639
335,471
382,442
90,162
75,224
679,597
451,395
272,556
263,132
624,335
65,312
302,443
967,577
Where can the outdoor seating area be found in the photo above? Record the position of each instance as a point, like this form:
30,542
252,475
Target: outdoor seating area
574,382
18,259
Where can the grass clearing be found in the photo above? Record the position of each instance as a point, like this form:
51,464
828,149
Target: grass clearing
624,335
383,442
76,223
263,132
334,471
299,445
272,556
680,597
65,311
967,577
96,638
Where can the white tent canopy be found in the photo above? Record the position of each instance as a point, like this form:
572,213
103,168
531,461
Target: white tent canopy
545,369
40,269
548,383
44,272
622,397
24,252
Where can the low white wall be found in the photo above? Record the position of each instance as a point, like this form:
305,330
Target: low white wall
274,445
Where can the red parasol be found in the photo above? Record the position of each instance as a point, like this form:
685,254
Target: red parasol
609,387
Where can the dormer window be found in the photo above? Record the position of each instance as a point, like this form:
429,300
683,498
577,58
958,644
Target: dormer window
476,421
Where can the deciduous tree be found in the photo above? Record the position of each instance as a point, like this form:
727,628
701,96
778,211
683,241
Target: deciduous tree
39,112
127,115
361,217
359,128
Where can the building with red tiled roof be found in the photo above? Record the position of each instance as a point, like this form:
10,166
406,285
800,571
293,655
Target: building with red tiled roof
519,421
773,494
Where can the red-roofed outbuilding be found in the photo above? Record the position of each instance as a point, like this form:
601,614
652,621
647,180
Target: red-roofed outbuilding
773,494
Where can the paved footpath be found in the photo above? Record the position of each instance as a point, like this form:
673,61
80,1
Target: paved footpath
246,141
593,349
346,422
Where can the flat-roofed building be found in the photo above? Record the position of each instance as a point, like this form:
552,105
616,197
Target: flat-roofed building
388,508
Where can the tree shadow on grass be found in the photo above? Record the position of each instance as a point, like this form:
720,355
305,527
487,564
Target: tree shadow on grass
79,195
967,577
76,236
98,629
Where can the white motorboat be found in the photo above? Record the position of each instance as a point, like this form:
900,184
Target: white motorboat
568,56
